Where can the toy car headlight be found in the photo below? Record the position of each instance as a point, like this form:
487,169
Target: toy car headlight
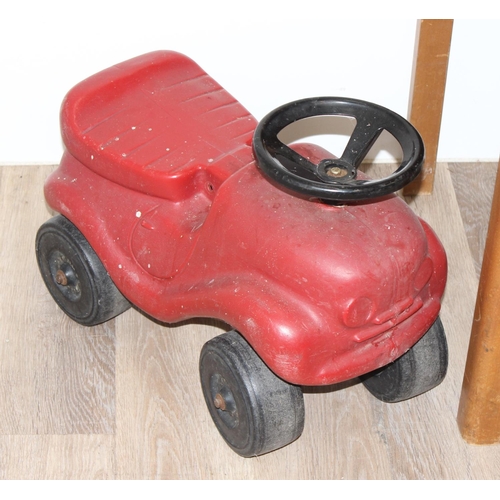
358,312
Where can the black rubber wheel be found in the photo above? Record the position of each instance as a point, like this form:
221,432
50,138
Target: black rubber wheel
419,370
74,275
254,410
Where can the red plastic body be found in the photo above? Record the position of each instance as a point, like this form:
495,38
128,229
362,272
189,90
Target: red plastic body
160,177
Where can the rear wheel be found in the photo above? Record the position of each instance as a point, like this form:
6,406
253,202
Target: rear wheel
254,410
74,275
419,370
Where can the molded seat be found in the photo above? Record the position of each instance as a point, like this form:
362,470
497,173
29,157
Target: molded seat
155,124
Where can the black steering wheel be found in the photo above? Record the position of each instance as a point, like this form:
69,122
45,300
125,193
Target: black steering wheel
334,179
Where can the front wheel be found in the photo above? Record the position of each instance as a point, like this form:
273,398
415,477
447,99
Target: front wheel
254,410
74,275
419,370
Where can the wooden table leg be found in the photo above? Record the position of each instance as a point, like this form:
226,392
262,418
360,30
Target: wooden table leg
430,67
479,409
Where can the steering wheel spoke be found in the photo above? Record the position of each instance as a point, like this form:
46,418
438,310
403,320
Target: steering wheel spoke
335,179
294,162
362,139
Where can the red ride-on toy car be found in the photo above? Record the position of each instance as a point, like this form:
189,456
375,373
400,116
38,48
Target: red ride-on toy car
171,197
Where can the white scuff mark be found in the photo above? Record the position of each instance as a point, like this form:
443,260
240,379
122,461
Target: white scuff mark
134,277
133,128
117,138
65,209
250,323
124,154
74,180
138,214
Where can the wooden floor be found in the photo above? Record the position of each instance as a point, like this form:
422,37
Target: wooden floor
122,400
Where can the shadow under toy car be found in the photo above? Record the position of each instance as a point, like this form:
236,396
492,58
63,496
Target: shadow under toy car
171,197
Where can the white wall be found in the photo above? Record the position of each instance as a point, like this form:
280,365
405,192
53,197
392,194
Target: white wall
265,53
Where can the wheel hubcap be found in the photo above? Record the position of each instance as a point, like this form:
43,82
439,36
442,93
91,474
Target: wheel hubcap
223,399
65,277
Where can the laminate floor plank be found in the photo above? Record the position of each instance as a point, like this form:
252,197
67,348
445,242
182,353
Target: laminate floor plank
57,457
56,377
473,184
123,400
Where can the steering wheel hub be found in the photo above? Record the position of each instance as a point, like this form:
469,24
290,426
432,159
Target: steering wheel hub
336,170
